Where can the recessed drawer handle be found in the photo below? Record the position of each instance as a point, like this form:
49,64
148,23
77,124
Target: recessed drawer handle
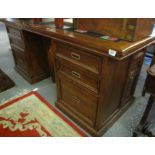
76,99
76,74
15,33
75,56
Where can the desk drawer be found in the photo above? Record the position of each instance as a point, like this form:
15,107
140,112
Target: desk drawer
19,58
80,57
77,74
78,100
17,42
14,32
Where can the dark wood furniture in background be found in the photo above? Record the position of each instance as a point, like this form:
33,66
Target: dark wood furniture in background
153,59
95,78
5,82
131,29
147,119
59,22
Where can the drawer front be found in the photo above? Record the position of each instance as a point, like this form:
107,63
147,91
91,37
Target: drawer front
14,32
78,75
19,58
83,58
78,100
17,42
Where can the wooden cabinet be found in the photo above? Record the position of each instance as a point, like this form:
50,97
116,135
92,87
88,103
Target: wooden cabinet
92,89
29,56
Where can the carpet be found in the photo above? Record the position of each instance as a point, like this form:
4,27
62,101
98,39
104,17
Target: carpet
5,82
32,116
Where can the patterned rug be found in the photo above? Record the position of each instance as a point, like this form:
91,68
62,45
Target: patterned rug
32,116
5,82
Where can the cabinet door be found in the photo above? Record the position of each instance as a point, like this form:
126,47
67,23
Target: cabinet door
132,77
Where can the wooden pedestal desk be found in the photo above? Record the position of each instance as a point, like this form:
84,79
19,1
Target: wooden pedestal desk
93,87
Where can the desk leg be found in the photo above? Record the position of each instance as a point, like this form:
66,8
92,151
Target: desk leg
147,111
139,131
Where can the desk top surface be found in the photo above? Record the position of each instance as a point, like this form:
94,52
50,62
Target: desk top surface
101,46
